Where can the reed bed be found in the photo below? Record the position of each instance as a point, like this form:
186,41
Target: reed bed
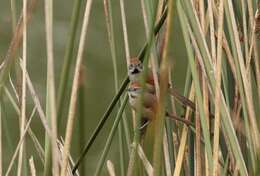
207,50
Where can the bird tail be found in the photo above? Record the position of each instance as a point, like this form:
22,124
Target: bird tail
175,117
182,99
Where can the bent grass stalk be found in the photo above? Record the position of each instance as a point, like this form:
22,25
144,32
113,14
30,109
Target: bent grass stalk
19,145
31,133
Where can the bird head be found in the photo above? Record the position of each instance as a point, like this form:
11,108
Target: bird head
135,67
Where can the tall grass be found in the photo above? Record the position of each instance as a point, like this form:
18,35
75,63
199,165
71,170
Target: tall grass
219,43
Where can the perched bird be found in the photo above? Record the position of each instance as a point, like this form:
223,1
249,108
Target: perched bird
149,100
134,71
149,104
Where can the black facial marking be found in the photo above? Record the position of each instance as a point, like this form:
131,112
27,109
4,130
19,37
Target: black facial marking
136,71
132,96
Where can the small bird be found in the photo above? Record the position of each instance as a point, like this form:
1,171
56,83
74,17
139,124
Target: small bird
149,104
149,100
134,71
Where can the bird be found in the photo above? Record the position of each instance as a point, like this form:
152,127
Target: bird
135,70
149,104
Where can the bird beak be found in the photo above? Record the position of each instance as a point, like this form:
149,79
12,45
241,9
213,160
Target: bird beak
136,71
